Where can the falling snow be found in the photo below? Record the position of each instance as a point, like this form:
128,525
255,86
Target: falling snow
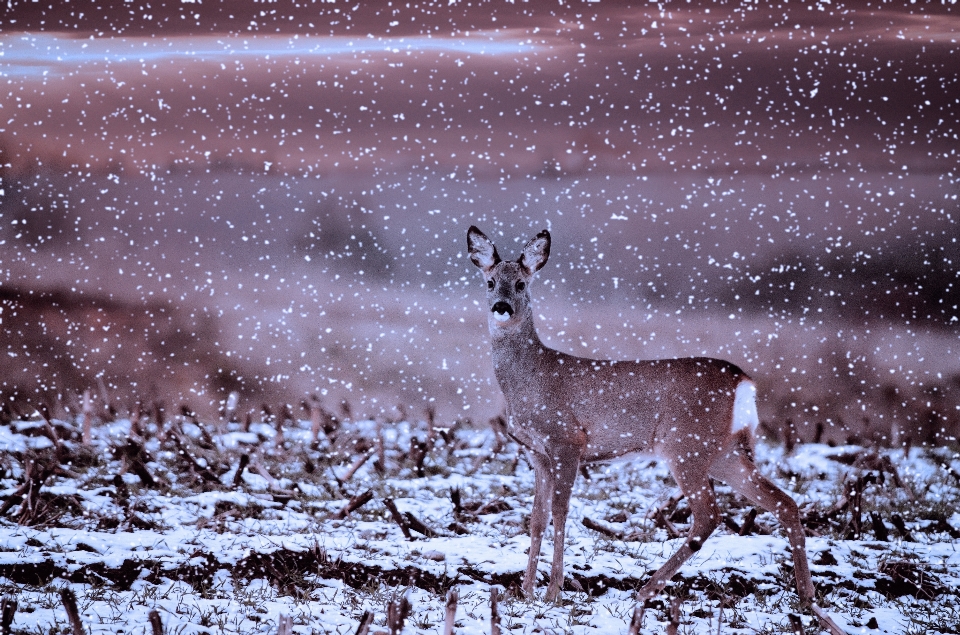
213,208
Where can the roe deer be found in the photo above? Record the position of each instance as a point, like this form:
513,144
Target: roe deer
697,414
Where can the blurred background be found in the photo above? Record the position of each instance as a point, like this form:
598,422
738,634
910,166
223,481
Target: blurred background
272,198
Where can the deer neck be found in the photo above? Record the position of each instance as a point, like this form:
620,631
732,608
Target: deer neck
516,351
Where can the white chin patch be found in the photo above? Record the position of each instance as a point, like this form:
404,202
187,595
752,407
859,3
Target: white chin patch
501,317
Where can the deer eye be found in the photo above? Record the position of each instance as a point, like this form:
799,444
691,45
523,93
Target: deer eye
490,284
521,285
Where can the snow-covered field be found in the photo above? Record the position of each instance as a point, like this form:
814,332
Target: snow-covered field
214,552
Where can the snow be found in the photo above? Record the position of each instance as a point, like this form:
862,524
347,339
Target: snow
219,533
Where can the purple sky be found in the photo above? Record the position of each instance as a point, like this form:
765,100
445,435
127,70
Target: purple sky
486,90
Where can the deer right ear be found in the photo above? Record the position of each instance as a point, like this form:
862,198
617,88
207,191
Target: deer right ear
483,253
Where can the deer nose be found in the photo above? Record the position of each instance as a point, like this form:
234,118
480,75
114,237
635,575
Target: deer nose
502,310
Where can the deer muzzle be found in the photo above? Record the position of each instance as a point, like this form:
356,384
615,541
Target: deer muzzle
502,311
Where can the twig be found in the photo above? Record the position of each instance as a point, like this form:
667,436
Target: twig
665,522
494,611
418,454
87,417
897,521
283,416
8,608
284,625
637,620
320,419
69,599
363,458
262,471
952,472
397,613
134,458
354,504
365,622
452,598
455,499
244,462
674,624
748,522
417,525
879,529
659,516
198,469
156,626
136,413
826,621
398,518
380,446
602,529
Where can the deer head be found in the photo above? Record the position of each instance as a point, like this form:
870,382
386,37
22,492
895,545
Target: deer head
508,282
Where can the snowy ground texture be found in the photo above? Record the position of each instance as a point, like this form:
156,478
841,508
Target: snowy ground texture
156,517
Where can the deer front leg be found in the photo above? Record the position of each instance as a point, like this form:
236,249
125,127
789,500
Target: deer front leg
565,473
542,496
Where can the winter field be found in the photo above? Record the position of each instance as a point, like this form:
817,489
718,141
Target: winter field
224,527
245,372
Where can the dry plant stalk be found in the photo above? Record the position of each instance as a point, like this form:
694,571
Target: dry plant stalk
156,626
674,625
354,504
244,462
8,608
397,613
398,517
69,599
610,532
87,434
365,622
312,405
363,458
494,611
453,596
826,621
637,620
418,526
380,447
749,522
284,625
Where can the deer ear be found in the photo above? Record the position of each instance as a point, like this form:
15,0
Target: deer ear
536,252
483,253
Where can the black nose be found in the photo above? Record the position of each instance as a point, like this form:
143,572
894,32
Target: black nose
502,307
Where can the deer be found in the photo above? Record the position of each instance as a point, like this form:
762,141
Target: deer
696,414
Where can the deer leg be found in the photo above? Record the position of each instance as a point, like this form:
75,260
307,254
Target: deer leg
738,471
565,473
542,496
706,517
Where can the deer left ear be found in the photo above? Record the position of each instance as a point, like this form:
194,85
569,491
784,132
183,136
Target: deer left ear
536,252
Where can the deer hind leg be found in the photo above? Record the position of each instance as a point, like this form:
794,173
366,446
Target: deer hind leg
737,469
542,498
706,517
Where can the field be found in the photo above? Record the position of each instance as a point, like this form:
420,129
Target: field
245,372
233,527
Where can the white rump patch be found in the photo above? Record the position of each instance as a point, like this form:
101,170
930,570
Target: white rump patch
745,407
501,317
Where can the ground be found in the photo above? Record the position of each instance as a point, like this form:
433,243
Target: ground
148,516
